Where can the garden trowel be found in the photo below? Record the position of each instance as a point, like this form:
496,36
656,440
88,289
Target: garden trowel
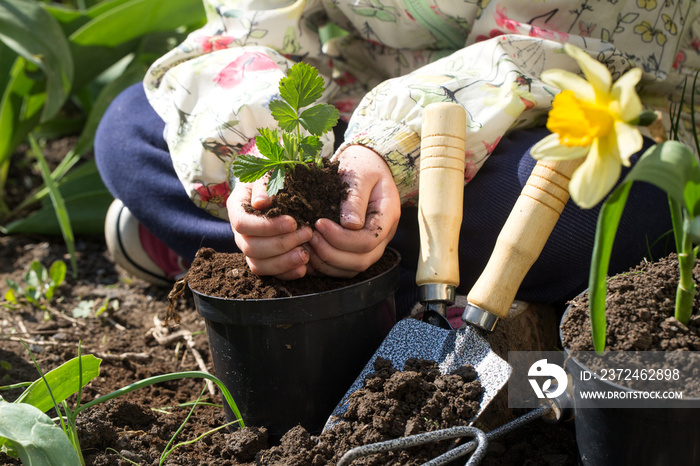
439,217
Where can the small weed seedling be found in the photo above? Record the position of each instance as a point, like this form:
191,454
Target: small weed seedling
39,285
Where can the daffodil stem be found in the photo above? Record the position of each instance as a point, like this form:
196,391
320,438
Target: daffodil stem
686,290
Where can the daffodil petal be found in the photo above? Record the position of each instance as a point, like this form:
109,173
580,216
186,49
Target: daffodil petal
624,91
629,141
597,74
563,79
550,148
594,179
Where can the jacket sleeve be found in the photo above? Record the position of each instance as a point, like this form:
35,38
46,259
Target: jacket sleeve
497,81
213,90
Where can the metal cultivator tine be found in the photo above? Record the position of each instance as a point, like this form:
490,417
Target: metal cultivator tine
480,442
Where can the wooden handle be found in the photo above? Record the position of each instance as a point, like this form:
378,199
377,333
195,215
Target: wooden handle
523,236
440,193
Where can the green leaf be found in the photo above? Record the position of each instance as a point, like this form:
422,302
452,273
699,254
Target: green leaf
58,204
606,229
135,18
13,284
19,23
33,436
672,167
276,182
310,147
83,309
319,118
63,380
290,142
10,296
302,86
249,168
32,294
17,115
285,115
57,272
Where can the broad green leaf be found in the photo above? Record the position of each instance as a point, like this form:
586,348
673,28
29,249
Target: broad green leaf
19,22
87,213
33,437
118,31
57,272
267,143
17,115
285,115
135,18
319,118
86,199
302,86
249,168
7,59
64,382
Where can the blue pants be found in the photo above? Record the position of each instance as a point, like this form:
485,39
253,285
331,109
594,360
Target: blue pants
134,162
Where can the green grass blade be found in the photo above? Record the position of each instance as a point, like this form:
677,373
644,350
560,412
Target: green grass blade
58,205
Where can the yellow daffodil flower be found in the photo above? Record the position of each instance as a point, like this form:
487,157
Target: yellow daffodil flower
592,118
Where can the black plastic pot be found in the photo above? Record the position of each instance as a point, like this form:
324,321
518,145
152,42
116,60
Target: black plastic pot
627,435
289,361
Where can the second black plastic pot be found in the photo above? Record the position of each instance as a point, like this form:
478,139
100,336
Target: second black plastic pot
288,361
613,436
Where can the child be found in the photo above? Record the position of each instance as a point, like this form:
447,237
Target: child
165,148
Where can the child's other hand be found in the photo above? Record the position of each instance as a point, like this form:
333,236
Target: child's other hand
272,246
368,219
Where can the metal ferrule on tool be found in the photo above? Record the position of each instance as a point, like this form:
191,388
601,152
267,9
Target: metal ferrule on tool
431,292
476,316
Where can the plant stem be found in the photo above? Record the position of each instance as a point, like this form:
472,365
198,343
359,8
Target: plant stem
686,290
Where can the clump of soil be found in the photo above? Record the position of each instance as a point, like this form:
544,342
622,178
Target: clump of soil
309,193
391,404
227,275
639,311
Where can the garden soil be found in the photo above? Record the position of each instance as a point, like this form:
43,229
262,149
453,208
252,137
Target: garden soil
639,312
121,320
130,338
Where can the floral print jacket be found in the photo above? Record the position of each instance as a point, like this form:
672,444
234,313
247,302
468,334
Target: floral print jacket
385,60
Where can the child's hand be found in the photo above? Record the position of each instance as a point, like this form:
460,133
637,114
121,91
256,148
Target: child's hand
368,219
271,246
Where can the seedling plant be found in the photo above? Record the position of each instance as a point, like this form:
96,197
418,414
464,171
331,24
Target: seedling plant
289,146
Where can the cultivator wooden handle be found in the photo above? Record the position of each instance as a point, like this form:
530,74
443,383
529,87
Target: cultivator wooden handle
440,193
520,242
